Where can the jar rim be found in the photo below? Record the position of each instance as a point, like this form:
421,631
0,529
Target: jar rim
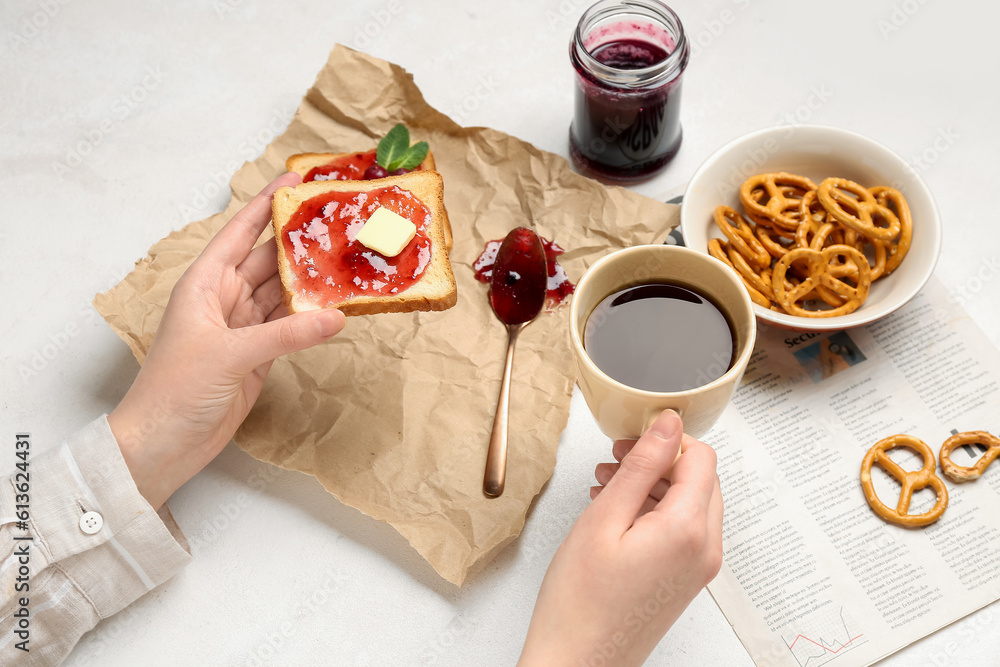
657,74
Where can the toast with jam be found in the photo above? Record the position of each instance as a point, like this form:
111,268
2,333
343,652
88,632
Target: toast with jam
343,166
324,264
358,166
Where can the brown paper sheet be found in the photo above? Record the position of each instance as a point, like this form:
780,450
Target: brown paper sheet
393,415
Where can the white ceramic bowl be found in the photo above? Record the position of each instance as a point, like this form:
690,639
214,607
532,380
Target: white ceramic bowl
818,152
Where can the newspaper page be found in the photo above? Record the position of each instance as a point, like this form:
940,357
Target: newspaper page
811,576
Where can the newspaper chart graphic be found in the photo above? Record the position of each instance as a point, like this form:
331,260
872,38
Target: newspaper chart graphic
824,640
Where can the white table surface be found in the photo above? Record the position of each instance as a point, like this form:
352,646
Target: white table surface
168,98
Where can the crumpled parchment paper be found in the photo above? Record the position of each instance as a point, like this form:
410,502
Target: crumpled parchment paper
394,414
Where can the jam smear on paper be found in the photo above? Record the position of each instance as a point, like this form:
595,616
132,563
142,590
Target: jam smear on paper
558,286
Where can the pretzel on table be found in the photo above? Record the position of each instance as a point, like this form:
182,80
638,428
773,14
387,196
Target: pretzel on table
911,481
959,473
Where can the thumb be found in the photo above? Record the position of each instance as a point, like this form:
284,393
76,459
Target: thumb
646,464
290,334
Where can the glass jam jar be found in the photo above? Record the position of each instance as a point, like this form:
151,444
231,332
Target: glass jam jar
629,56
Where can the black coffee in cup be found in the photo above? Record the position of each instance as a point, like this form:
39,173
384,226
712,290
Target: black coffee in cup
661,337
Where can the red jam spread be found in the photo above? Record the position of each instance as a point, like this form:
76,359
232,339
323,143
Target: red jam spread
331,267
520,276
349,167
558,288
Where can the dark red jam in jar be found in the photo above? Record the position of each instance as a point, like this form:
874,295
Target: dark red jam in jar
629,56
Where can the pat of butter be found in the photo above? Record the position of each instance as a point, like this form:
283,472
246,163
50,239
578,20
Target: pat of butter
386,232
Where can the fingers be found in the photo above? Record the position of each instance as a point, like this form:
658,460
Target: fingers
703,531
233,242
646,464
647,505
279,311
693,479
715,515
267,341
621,448
266,298
605,471
260,265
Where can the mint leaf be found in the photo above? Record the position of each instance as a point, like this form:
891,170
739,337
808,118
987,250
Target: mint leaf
413,156
393,146
395,152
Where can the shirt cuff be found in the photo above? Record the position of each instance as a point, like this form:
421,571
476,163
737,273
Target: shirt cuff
124,552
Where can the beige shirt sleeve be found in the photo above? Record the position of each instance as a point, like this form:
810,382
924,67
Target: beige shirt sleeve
72,579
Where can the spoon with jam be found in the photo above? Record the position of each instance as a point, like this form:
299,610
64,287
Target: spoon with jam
517,294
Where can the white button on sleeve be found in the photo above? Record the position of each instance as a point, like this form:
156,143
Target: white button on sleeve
91,522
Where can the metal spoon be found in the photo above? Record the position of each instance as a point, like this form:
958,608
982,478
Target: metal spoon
517,294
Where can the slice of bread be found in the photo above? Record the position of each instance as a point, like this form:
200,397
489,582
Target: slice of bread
303,163
435,287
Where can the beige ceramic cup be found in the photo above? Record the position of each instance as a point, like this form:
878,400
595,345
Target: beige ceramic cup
626,412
